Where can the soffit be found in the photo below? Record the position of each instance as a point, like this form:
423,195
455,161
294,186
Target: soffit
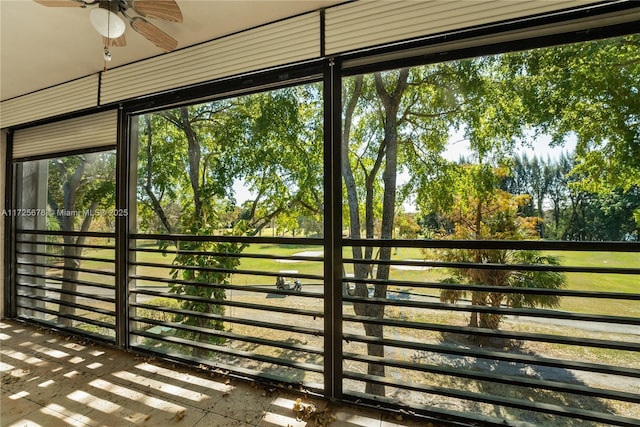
43,46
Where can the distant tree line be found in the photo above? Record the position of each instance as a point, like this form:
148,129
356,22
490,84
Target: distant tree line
569,211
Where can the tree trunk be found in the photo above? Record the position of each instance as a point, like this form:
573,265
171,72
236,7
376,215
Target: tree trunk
388,156
198,221
473,319
70,189
69,278
155,202
201,336
477,298
194,161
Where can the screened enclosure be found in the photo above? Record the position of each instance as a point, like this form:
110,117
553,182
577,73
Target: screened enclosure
452,235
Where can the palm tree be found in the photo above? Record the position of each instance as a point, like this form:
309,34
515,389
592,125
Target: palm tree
494,216
502,278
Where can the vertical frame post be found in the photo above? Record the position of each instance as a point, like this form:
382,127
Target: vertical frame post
9,288
122,232
333,230
132,137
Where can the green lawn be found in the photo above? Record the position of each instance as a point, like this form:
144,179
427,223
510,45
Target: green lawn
625,283
601,282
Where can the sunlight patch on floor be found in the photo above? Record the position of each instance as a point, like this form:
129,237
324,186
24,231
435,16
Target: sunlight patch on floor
186,378
94,402
160,386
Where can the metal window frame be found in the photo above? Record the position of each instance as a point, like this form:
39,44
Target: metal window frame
330,72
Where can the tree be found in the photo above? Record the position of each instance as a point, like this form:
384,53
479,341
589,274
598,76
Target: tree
518,181
396,123
589,91
207,171
467,192
215,270
193,154
77,187
488,214
558,192
270,141
387,152
400,121
280,158
392,118
159,166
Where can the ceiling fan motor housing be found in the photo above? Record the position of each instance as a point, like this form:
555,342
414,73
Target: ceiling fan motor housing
114,6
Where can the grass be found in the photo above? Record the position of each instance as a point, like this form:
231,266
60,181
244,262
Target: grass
624,283
605,282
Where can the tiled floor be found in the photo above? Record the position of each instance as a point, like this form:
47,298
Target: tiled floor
49,380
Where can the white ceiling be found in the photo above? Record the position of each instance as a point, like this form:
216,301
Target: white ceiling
43,46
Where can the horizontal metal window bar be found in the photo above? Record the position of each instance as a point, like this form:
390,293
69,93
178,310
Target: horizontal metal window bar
234,352
232,336
230,255
564,411
467,330
226,270
71,245
106,235
107,260
498,378
502,289
71,316
498,355
248,288
494,266
217,367
82,270
235,320
307,241
60,279
69,304
61,291
541,245
533,312
297,311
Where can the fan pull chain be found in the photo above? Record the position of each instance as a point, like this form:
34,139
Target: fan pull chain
107,57
107,41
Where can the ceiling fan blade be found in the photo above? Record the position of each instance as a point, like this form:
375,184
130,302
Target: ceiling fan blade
61,3
117,42
154,34
161,9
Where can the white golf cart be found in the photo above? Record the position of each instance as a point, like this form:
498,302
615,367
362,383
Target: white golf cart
285,282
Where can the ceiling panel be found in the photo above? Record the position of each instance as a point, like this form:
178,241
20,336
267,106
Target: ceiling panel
43,46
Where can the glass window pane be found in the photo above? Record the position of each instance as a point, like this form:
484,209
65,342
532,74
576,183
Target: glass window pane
248,167
65,221
455,171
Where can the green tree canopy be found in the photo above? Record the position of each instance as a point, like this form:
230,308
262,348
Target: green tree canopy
589,91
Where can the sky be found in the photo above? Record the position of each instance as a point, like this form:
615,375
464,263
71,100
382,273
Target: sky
458,146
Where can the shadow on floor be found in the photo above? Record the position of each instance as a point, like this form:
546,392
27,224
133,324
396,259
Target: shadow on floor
50,380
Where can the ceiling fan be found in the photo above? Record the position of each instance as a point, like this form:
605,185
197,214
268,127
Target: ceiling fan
105,18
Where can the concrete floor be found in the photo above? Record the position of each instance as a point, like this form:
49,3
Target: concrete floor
50,380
